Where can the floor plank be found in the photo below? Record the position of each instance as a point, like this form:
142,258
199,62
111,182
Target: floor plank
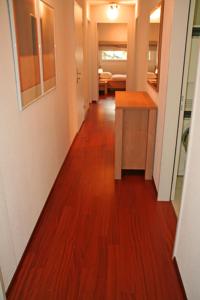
99,239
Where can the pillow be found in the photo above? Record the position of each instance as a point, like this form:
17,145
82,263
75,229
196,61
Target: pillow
106,75
120,76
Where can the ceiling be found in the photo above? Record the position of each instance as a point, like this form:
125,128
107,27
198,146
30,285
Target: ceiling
125,2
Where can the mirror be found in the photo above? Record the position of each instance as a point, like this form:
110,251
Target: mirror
154,49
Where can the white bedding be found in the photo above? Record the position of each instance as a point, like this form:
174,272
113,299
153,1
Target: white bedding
113,77
106,75
119,77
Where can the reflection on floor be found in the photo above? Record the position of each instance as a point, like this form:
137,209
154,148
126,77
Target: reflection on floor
178,195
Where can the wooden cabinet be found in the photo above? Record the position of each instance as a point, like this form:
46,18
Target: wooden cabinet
135,129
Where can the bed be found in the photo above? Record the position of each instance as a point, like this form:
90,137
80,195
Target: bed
109,81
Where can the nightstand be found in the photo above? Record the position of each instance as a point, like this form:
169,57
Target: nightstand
103,86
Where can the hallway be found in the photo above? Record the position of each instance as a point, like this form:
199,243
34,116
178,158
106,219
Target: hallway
99,239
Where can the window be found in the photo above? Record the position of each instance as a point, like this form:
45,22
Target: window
114,54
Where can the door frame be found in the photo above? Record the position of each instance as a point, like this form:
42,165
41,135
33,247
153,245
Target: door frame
79,75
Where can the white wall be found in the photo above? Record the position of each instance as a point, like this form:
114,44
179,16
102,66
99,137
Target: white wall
142,39
160,98
187,247
112,32
126,15
141,64
34,142
116,32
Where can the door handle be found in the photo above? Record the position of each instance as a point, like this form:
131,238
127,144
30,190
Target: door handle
78,76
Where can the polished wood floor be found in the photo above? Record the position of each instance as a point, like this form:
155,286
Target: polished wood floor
99,239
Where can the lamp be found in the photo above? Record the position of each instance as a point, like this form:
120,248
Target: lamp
113,11
100,71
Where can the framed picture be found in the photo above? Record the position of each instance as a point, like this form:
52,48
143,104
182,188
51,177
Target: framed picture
32,25
48,46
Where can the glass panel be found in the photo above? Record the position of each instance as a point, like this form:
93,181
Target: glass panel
27,49
190,71
114,55
48,47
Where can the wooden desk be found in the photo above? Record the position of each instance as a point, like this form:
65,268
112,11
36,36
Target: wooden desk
135,129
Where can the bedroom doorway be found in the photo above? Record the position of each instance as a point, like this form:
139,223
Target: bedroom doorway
112,57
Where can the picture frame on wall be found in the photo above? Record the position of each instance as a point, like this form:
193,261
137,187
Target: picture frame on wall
32,27
48,45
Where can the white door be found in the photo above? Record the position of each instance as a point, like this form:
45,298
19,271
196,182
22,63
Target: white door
78,18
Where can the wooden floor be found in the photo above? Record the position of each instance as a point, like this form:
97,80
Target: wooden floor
99,239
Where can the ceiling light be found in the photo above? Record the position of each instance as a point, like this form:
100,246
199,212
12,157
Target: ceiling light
113,11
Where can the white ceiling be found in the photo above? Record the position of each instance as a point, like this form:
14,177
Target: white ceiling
125,2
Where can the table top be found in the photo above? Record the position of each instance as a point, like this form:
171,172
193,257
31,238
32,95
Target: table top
130,100
103,80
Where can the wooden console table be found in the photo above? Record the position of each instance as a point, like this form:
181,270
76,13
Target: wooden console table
135,129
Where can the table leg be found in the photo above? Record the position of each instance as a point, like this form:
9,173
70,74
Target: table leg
106,88
118,143
150,144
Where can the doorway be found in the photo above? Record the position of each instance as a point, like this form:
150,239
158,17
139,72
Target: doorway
112,57
185,113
